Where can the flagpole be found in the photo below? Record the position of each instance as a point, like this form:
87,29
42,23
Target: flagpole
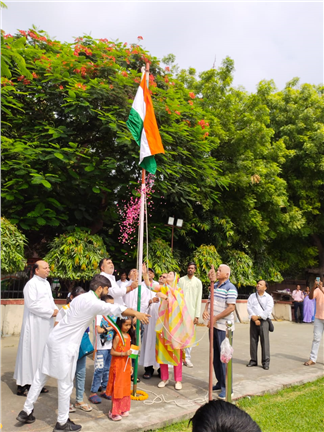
211,340
140,257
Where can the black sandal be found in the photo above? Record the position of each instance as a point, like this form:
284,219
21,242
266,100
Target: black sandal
44,390
132,378
148,372
22,391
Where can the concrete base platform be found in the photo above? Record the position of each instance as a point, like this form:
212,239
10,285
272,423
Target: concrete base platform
290,347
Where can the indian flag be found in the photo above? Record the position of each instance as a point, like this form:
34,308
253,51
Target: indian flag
142,124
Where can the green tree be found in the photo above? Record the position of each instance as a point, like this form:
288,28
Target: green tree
297,118
160,257
68,157
75,256
12,248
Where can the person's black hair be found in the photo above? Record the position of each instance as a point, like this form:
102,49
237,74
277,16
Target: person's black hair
192,263
151,270
35,267
101,262
221,416
99,281
74,293
131,331
107,297
123,271
266,283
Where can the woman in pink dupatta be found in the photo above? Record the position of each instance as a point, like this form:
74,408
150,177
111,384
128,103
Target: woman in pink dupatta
174,329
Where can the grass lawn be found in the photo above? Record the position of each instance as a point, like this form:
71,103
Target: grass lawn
295,409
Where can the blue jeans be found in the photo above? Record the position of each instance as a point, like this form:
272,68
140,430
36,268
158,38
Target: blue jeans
80,376
101,370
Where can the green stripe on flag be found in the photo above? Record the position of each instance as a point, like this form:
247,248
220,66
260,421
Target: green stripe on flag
149,164
135,125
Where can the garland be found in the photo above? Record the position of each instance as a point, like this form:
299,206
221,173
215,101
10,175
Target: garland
140,396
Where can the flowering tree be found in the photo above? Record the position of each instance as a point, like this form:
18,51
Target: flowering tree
68,157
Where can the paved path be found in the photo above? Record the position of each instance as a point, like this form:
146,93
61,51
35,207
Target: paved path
290,347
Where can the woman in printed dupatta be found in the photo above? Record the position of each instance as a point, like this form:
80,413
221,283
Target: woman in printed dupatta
174,330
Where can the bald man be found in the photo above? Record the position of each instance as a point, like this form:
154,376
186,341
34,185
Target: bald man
38,321
225,295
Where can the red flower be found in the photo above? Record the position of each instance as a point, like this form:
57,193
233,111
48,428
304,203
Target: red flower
23,33
111,86
167,68
166,79
125,44
192,95
190,102
21,78
34,75
206,134
124,73
177,112
202,124
139,38
61,87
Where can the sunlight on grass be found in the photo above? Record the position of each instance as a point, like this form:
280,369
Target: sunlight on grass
295,409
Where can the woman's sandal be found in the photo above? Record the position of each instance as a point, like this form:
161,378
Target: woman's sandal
83,406
44,390
309,363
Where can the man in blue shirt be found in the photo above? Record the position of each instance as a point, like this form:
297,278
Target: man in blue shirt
225,295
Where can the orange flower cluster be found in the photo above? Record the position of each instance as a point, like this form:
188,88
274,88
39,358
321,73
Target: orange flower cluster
203,124
80,86
125,74
5,82
192,95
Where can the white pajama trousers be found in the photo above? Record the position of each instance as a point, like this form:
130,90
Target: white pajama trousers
188,353
318,332
65,387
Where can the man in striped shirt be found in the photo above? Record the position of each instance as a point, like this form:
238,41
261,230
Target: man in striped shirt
225,295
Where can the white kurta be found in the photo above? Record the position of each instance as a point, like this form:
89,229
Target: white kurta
130,299
192,291
62,348
147,357
36,327
116,291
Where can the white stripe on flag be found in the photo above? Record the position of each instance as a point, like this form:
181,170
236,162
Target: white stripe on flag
139,105
145,150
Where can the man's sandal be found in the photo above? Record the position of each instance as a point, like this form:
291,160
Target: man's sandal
309,363
22,392
44,390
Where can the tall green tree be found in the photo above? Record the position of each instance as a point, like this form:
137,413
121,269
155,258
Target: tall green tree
68,157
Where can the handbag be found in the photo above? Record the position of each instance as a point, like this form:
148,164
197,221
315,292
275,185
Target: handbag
86,346
271,326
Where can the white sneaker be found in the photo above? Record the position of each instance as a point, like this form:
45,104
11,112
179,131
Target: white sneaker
178,385
162,384
188,363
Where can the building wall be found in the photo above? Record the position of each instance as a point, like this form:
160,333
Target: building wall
12,314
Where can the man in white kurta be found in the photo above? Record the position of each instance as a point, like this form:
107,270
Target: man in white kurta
130,299
116,291
192,290
147,356
38,321
62,349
